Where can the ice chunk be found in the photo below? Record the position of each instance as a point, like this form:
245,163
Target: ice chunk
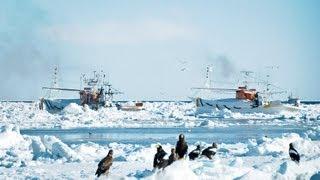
277,146
283,168
14,149
178,170
61,150
256,174
38,147
9,136
73,108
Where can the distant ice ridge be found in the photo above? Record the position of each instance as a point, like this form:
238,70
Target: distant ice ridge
156,114
48,157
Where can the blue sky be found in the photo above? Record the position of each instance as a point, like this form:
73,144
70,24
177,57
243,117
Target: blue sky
141,44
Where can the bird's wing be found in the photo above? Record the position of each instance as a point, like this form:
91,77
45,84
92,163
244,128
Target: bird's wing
101,162
186,147
293,151
214,150
204,151
196,151
178,146
107,163
209,151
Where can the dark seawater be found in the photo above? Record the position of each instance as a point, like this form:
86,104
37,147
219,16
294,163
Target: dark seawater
146,136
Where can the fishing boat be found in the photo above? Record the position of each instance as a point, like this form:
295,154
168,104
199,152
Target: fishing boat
96,92
138,106
246,100
293,100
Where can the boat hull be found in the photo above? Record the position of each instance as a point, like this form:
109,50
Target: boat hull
241,106
55,105
58,104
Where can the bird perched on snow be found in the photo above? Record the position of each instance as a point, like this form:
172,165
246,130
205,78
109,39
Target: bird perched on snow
294,155
210,151
172,157
195,153
105,164
158,161
181,147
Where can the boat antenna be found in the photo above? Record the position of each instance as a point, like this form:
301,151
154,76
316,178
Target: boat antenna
246,74
51,93
268,84
209,71
82,80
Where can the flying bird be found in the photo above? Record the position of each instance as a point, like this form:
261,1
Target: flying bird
210,151
181,147
195,153
183,62
184,69
183,65
294,155
105,164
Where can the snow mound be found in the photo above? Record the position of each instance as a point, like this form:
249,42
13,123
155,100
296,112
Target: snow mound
73,108
9,136
155,114
38,148
265,158
59,150
17,150
278,145
14,149
256,174
178,170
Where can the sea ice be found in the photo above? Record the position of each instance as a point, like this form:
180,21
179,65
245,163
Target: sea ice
48,157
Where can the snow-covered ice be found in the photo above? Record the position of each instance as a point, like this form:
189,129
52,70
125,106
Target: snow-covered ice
156,114
35,144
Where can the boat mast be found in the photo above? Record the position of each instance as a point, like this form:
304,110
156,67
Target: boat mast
246,76
269,92
208,82
52,93
82,80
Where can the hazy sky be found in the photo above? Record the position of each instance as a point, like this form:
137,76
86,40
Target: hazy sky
144,45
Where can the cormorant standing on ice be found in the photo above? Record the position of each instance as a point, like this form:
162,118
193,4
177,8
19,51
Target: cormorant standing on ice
105,164
158,161
195,153
172,157
209,152
294,155
181,147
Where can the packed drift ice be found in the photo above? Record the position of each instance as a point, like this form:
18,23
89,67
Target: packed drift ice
157,114
48,157
263,155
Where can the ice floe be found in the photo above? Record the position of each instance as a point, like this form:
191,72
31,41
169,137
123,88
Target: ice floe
156,114
48,157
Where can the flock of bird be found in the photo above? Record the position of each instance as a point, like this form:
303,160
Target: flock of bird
177,153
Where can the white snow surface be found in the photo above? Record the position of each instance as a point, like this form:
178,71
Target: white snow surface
48,157
33,157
